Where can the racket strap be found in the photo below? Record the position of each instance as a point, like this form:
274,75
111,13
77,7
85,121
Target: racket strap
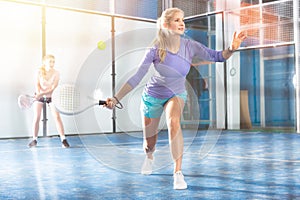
119,104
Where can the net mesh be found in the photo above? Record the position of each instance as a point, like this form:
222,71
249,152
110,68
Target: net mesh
265,24
195,7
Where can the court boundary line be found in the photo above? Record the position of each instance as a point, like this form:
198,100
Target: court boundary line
253,158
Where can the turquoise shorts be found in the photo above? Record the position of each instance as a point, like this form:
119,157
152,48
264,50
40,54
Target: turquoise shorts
153,107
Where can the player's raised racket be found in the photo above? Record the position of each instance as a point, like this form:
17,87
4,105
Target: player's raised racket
71,100
25,101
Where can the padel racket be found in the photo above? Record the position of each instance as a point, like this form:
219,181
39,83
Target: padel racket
71,100
25,101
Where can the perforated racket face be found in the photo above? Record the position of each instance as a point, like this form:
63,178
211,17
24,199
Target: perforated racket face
69,99
25,101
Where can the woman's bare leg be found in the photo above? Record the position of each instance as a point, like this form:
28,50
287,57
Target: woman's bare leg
37,109
150,131
173,109
58,121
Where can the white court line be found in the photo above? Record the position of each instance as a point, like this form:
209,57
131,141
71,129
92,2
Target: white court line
30,149
253,158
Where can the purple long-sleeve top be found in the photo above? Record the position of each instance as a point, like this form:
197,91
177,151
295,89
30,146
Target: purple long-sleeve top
169,77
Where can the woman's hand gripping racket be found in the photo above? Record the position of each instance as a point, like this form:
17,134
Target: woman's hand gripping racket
70,100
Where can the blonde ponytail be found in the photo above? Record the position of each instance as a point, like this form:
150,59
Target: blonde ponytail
160,41
42,69
162,33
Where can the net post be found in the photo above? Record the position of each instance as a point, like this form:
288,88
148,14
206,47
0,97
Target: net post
113,70
44,119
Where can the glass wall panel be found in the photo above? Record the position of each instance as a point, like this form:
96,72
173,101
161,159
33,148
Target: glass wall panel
264,24
137,8
72,37
20,56
132,40
276,87
202,77
96,5
270,31
195,7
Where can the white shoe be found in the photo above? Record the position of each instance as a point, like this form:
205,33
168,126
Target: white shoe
179,183
147,166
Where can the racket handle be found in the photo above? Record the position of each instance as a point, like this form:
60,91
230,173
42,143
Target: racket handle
101,102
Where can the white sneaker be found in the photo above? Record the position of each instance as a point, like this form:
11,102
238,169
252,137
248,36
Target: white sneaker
179,183
147,166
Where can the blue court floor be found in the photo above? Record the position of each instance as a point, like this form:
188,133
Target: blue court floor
217,165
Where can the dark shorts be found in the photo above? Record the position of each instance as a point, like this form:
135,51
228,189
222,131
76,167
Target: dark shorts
45,100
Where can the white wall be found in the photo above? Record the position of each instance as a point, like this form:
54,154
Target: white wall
20,52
